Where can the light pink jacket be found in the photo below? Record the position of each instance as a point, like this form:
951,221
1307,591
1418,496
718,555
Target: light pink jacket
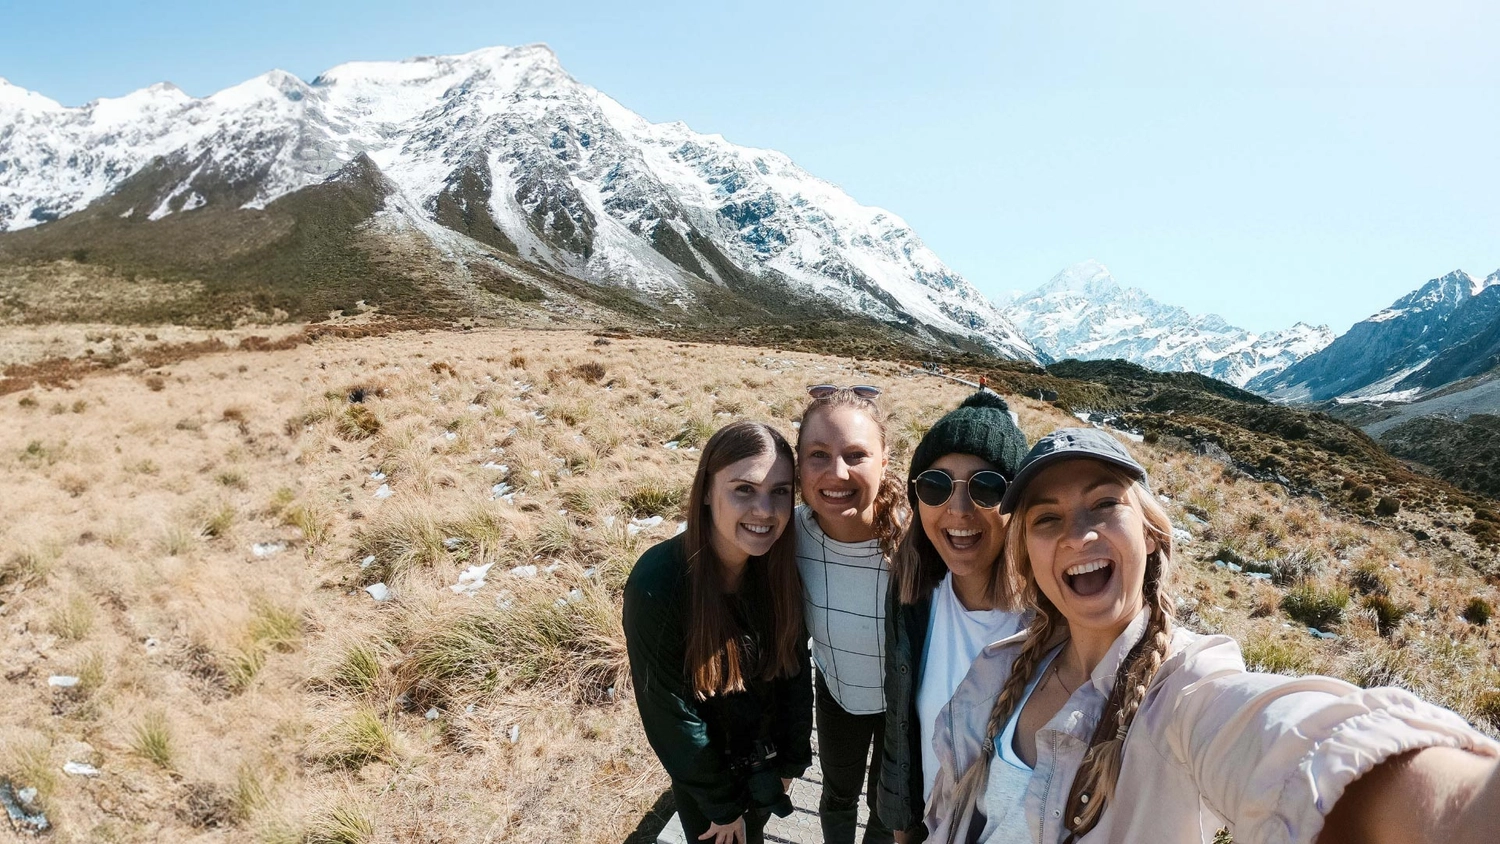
1213,745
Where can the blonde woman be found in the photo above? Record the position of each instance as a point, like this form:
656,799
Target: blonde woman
1104,722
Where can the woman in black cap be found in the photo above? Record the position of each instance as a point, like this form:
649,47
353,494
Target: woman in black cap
1106,723
948,598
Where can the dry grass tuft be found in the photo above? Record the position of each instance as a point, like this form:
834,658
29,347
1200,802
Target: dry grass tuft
341,824
73,619
359,739
152,740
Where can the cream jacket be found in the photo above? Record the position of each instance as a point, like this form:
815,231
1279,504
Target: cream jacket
1213,745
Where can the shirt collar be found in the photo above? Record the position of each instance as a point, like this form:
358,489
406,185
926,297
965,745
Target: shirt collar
1104,673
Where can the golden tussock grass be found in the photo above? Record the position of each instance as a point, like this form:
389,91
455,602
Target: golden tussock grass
206,581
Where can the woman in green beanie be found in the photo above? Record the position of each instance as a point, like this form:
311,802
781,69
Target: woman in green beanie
948,597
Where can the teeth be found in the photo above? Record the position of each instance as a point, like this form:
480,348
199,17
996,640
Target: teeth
1085,568
970,532
845,493
756,528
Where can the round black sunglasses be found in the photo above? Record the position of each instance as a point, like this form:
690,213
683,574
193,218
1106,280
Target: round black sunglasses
935,486
823,391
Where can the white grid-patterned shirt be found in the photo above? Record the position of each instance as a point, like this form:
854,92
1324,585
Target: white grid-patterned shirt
843,600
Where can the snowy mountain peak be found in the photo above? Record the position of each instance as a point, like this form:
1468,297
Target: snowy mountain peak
500,149
14,97
1084,313
1086,277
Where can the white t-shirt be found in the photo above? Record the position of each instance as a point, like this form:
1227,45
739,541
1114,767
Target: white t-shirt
843,601
1005,793
955,636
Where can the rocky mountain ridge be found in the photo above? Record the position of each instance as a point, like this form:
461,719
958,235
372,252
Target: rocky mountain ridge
499,150
1444,331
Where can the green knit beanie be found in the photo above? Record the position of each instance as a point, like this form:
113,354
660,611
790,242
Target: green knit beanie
981,426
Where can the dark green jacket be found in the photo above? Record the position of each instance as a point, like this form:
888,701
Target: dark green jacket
696,740
899,802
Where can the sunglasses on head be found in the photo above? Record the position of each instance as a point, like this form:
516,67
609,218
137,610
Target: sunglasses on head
823,391
934,487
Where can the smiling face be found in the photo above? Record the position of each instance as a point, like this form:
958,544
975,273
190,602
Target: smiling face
969,539
841,460
750,502
1087,543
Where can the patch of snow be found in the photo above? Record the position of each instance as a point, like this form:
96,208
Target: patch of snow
638,525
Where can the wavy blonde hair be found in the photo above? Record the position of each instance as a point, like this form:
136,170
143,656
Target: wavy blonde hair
1094,785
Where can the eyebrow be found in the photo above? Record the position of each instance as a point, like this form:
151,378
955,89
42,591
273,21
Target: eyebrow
1086,490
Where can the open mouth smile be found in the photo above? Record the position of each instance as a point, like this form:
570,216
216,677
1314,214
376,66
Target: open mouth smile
1089,579
963,539
758,530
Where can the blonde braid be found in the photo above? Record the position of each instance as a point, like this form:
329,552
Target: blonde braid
1094,785
1037,636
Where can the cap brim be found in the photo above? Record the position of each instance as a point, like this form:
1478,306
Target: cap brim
1028,474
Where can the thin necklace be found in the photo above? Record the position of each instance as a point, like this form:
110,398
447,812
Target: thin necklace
1057,673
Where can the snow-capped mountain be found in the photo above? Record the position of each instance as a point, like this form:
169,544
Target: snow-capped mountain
1445,330
504,147
1084,313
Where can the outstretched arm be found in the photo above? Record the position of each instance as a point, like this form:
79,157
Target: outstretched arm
1440,795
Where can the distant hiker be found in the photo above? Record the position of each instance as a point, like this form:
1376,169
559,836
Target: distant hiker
1105,722
847,528
718,653
949,595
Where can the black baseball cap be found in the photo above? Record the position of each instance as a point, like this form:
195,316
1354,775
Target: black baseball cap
1069,444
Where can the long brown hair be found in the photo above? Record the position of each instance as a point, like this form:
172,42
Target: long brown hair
1094,785
714,656
891,510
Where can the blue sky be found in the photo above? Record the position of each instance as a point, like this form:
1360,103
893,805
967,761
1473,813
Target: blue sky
1271,161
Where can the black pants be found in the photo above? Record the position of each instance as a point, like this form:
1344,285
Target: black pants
694,823
844,743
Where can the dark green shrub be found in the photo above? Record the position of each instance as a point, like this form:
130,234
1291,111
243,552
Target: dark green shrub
1362,493
1387,506
1478,611
1315,607
1388,613
1368,578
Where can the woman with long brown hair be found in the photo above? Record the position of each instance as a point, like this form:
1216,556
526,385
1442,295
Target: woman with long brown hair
851,519
1106,722
718,653
949,595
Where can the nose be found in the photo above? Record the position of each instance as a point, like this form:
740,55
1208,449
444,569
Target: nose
840,469
762,506
959,503
1080,531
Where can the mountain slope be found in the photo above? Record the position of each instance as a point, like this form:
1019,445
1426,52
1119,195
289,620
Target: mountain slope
494,154
1084,313
1443,331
